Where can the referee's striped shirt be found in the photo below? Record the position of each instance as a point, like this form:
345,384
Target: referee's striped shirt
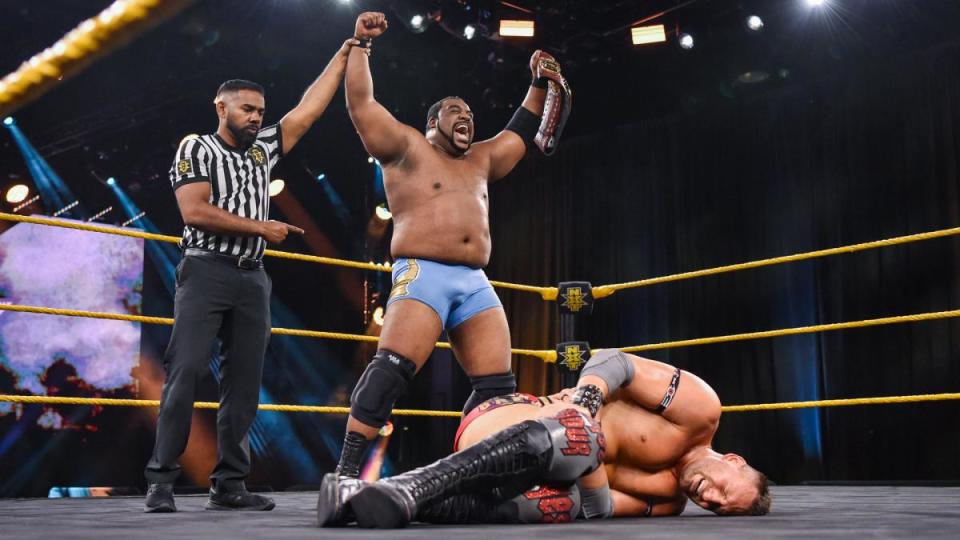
239,183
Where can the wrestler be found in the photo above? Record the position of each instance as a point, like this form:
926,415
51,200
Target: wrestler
658,425
436,186
490,479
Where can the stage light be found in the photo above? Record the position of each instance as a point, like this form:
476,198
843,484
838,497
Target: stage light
417,22
383,213
111,181
469,31
754,23
378,316
510,28
17,193
686,41
816,3
648,34
276,186
8,121
321,177
370,159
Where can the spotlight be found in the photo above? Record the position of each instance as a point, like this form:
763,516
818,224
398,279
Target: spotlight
816,3
648,34
510,28
754,23
8,121
469,31
370,159
686,41
383,213
276,186
378,316
111,181
344,1
17,193
417,22
321,177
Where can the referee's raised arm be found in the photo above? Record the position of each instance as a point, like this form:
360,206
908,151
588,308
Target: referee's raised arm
315,100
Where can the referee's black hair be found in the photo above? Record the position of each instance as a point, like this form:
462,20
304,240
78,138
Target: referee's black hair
234,85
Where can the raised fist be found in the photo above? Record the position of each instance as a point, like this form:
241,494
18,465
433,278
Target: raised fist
370,25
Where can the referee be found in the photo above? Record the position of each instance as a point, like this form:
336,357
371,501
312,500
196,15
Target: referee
221,184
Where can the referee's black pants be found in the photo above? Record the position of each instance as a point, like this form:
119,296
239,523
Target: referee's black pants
214,298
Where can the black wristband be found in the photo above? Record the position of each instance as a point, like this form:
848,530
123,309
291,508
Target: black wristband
590,397
539,82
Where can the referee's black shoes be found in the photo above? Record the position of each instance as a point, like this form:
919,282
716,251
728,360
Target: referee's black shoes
159,499
237,499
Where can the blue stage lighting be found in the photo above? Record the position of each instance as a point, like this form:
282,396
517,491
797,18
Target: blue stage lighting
111,181
8,121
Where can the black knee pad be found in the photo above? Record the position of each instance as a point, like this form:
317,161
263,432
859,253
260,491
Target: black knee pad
385,379
578,445
489,386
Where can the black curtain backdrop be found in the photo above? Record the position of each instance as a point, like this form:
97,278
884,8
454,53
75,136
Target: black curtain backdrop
846,158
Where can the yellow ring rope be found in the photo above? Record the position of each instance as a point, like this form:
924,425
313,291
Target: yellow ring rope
602,291
57,400
793,331
94,37
543,355
840,402
547,293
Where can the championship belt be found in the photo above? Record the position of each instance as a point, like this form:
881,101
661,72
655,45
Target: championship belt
556,107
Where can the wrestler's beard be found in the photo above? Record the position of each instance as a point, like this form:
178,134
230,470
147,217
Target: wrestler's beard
242,136
453,144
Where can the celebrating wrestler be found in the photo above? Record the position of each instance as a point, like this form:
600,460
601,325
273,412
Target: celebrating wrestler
658,424
436,186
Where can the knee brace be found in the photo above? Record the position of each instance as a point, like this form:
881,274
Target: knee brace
385,379
489,386
577,445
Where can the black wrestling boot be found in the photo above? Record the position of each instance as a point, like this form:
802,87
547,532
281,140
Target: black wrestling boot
517,455
461,509
335,493
351,458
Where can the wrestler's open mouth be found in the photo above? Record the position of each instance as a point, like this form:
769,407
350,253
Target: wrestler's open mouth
462,128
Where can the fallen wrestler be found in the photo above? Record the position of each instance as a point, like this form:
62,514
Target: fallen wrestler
655,447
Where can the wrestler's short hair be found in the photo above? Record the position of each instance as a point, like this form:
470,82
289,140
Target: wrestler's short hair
234,85
434,110
761,505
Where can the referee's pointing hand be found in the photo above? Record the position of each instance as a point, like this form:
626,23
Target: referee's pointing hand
276,231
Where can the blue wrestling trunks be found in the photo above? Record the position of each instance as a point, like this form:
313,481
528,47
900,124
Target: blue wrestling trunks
455,292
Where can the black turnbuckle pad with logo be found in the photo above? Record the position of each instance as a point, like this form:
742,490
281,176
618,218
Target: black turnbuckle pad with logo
575,297
571,357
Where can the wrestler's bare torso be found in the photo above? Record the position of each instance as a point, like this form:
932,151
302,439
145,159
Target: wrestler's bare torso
643,449
440,205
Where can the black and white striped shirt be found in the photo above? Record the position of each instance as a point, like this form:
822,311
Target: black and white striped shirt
239,183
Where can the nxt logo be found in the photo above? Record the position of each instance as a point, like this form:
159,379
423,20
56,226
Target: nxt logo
257,154
573,299
572,357
404,279
184,166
